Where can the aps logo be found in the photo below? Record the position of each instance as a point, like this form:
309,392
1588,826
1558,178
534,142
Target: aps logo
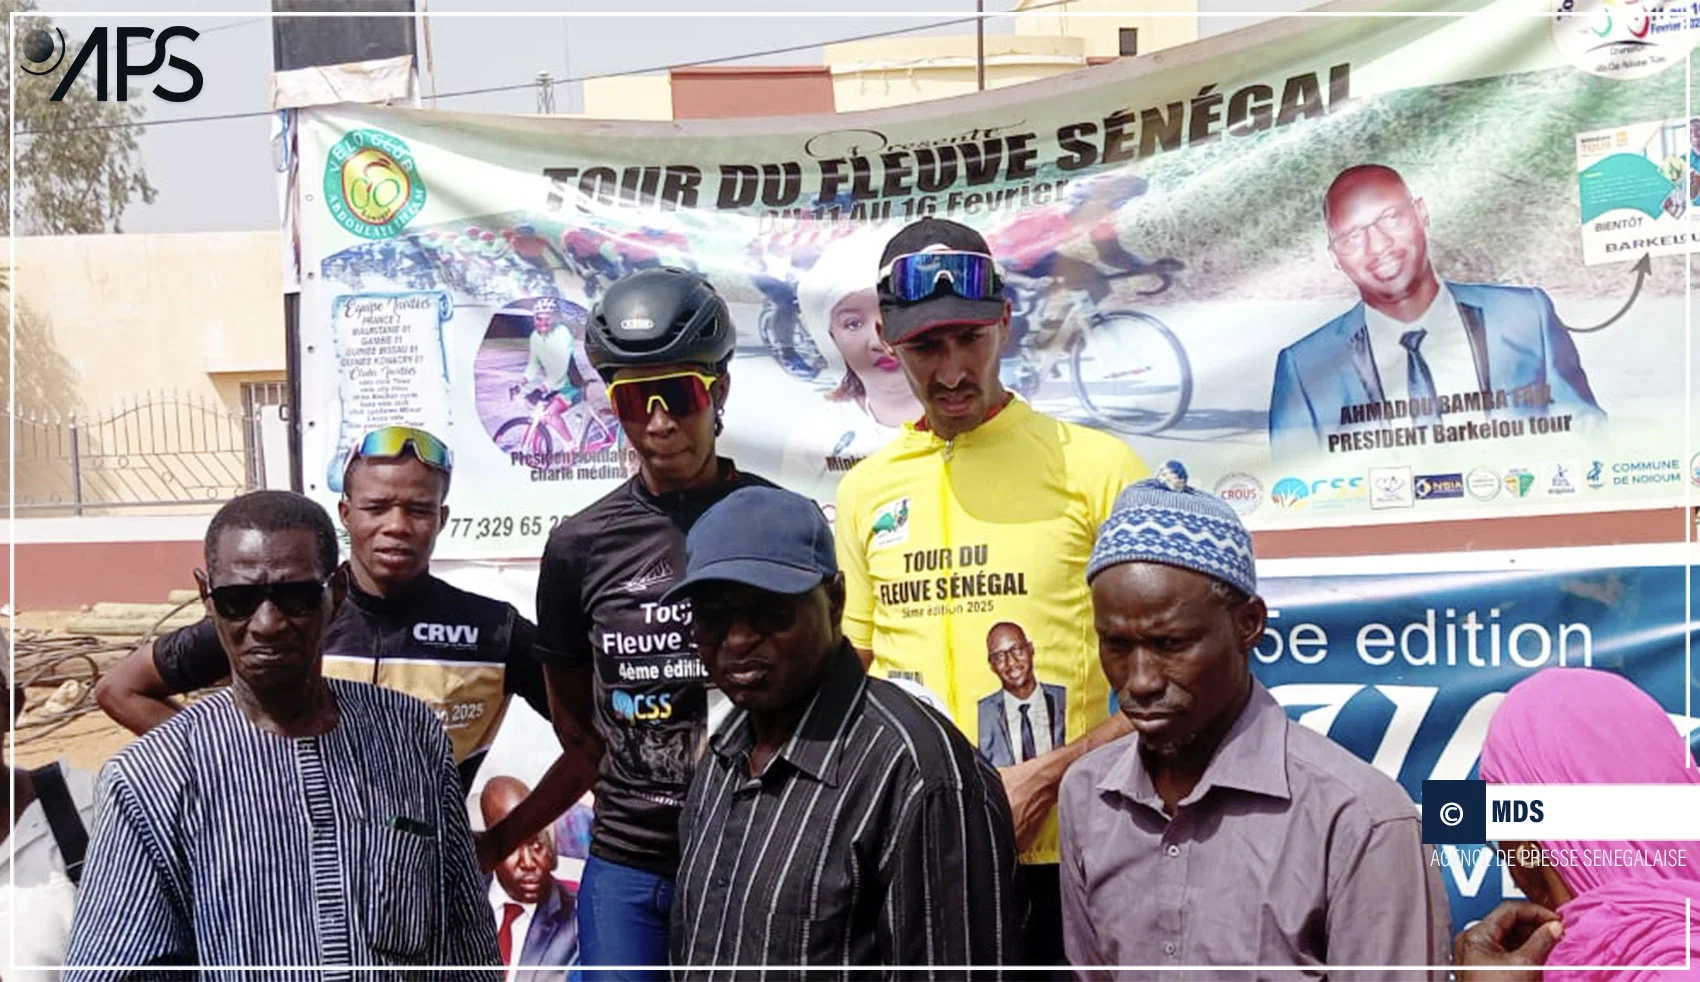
45,49
371,184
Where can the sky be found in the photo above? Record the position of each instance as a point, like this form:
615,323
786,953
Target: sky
216,175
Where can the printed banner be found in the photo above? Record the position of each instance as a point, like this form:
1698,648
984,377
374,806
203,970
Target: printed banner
390,365
1636,184
1350,270
1405,671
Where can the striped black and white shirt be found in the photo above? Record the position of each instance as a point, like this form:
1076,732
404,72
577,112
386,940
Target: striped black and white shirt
217,843
875,837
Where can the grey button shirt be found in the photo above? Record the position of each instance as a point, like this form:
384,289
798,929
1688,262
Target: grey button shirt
1289,852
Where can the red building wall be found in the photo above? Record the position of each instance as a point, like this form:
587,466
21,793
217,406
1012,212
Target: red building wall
712,92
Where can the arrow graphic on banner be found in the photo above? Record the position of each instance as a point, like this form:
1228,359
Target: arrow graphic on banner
1643,269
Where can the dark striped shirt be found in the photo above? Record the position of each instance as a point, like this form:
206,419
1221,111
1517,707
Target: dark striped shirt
876,837
217,843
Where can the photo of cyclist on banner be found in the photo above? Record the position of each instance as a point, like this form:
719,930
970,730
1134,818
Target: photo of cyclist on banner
491,264
562,405
597,256
587,254
778,262
1060,264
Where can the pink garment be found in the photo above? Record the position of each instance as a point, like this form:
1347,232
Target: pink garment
1582,726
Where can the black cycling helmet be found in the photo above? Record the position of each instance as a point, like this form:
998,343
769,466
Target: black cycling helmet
659,316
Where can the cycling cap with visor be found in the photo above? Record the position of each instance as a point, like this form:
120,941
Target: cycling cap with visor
934,273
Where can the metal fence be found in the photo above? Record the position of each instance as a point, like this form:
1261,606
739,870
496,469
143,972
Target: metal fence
158,449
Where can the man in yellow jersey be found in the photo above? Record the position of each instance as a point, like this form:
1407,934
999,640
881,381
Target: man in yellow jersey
982,513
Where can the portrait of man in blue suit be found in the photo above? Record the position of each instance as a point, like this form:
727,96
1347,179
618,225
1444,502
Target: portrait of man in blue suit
1025,718
536,917
1413,338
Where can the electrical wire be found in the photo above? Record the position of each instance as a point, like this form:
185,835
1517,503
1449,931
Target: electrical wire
766,52
211,30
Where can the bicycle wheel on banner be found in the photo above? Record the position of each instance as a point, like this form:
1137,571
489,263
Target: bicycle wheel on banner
1130,373
510,437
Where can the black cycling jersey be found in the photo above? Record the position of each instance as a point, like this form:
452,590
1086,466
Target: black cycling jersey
598,600
462,654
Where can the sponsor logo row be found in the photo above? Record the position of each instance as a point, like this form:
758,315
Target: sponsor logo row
1401,487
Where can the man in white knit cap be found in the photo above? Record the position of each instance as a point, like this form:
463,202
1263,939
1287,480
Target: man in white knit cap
1219,832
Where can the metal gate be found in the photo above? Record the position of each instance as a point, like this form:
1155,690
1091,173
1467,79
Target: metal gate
158,449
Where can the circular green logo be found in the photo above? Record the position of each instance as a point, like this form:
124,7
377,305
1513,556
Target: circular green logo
371,185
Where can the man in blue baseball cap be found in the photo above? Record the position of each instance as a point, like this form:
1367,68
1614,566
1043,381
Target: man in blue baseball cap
1304,854
835,820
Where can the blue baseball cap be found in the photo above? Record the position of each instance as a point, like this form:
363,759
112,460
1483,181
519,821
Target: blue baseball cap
768,538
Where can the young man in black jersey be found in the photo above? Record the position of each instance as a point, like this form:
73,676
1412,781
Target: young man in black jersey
463,654
628,689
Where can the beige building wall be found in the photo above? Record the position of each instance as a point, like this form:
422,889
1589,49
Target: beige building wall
195,313
147,340
897,71
894,71
628,97
1165,25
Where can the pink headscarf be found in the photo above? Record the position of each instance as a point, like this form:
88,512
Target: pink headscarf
1582,726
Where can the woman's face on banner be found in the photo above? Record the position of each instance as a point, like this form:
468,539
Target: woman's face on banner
854,330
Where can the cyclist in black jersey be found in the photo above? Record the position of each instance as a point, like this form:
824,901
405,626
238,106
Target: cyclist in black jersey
463,654
630,694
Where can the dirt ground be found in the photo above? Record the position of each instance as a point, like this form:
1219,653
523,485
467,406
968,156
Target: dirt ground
82,735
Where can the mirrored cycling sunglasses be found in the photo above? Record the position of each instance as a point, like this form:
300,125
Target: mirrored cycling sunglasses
969,275
393,441
294,598
679,394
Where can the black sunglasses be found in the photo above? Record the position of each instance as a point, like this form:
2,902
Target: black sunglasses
294,598
776,612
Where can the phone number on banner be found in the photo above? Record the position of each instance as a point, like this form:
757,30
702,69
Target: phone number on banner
502,526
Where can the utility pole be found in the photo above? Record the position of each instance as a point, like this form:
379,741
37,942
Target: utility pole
980,44
325,42
545,94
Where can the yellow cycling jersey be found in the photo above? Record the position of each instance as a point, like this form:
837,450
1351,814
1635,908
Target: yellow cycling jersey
957,551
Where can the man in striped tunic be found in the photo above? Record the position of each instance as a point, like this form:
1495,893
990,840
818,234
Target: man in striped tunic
290,820
836,820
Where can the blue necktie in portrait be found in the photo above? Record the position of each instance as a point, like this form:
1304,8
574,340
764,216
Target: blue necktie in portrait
1421,379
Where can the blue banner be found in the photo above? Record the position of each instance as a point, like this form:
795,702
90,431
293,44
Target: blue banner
1406,670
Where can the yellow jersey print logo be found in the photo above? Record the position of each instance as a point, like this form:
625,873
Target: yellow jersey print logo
891,523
